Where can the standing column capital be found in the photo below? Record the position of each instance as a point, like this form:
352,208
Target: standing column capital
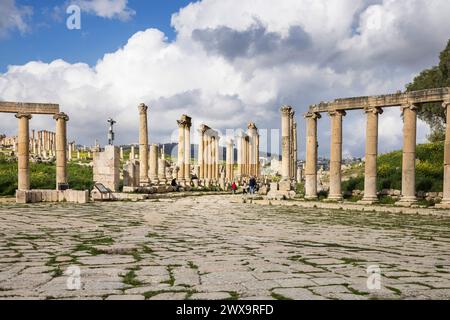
61,116
446,104
286,110
230,142
313,115
375,110
341,113
410,106
142,108
20,115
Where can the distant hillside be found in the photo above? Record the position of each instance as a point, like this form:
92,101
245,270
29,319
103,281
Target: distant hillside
429,170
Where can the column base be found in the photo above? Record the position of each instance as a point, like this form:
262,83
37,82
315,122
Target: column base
406,201
334,197
445,204
311,197
368,200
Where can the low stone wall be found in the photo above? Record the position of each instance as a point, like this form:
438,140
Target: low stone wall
429,196
34,196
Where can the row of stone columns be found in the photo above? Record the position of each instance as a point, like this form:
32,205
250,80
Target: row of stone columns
23,155
208,153
408,193
248,152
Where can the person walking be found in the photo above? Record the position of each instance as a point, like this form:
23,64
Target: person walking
252,185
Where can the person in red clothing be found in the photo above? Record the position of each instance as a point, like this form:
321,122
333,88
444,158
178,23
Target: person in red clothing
234,187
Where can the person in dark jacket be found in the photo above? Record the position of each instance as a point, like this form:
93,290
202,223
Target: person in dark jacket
252,185
175,185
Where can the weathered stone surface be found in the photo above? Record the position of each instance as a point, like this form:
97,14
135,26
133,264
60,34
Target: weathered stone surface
208,247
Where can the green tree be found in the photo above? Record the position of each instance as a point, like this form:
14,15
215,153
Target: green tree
439,76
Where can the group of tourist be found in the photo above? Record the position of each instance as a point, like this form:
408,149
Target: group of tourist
250,188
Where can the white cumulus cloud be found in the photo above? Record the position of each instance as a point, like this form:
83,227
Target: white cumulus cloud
238,61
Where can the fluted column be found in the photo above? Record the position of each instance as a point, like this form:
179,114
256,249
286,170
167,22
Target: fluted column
23,156
143,145
446,199
336,155
370,170
285,142
409,155
61,143
257,169
187,148
291,144
311,155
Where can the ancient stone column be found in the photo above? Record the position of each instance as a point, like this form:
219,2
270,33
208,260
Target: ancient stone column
187,148
162,170
294,151
216,157
143,145
23,157
211,157
61,142
154,164
311,155
285,142
239,146
446,199
370,171
291,144
409,155
336,155
257,169
181,151
200,156
132,153
121,153
229,160
69,157
33,142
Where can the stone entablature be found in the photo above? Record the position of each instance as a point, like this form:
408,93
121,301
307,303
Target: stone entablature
31,108
388,100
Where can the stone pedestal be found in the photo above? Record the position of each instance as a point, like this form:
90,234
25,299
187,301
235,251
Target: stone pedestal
106,168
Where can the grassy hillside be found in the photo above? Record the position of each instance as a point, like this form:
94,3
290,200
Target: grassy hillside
43,176
429,170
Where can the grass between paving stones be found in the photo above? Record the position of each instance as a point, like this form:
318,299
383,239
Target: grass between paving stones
130,278
233,295
278,296
171,280
395,290
192,265
353,261
355,291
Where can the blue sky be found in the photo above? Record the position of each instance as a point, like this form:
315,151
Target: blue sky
47,37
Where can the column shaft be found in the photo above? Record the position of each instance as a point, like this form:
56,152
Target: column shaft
409,154
446,198
370,171
311,156
336,155
285,142
61,143
23,156
143,145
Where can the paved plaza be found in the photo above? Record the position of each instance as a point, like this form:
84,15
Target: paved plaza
210,247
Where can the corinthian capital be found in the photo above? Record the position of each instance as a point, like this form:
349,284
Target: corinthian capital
61,116
286,110
142,108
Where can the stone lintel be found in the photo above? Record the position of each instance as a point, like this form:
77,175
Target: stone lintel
30,108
